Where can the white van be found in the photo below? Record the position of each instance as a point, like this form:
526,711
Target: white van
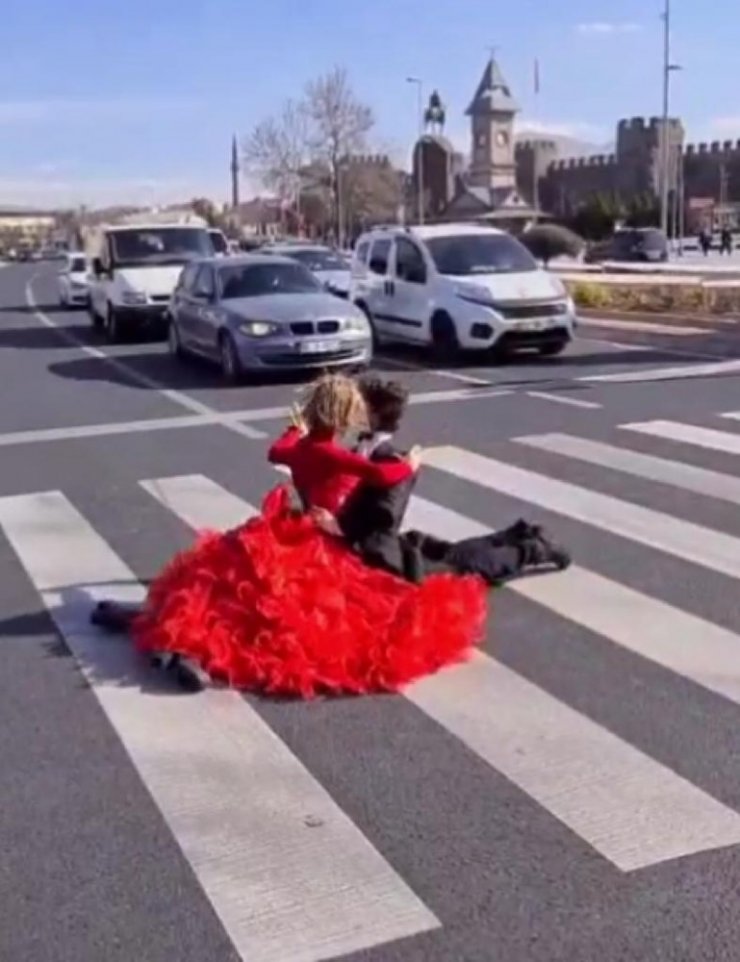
459,287
136,269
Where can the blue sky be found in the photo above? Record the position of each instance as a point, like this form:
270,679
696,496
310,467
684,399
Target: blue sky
136,101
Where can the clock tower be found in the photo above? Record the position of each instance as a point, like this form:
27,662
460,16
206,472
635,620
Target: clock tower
492,113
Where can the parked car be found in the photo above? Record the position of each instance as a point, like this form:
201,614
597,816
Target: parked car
135,274
74,281
258,313
456,287
631,244
327,264
219,242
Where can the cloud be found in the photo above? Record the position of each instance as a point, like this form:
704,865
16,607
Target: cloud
605,28
61,110
727,127
575,129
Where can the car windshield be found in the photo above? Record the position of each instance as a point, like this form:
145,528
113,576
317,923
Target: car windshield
318,260
254,280
166,245
219,241
464,254
78,265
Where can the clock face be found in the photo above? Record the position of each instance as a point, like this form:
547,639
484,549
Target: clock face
502,138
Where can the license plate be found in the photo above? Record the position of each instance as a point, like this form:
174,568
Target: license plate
539,325
319,347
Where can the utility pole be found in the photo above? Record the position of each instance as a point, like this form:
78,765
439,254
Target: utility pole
419,84
665,139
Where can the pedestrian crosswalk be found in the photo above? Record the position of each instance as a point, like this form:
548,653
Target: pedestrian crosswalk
290,875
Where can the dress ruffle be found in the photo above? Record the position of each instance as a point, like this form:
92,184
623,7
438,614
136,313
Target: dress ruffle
277,606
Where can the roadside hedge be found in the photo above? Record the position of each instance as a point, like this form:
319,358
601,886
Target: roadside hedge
655,298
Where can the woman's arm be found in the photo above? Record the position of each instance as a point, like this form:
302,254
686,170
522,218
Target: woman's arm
382,474
281,451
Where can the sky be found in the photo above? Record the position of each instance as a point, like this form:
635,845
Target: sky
136,102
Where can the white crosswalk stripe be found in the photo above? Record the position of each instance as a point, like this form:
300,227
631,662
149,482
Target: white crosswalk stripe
688,434
246,836
710,549
619,807
699,480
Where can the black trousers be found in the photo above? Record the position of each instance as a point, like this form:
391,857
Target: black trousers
414,555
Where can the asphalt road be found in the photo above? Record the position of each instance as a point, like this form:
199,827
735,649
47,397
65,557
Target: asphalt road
571,794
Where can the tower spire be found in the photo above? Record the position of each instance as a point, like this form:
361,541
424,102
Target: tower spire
234,172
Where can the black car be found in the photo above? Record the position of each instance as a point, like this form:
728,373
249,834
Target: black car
631,244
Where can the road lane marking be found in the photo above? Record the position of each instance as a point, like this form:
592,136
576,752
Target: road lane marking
712,484
701,546
222,418
674,330
573,402
735,415
687,434
628,807
176,397
240,805
668,373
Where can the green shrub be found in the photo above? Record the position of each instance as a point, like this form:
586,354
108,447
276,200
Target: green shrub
547,241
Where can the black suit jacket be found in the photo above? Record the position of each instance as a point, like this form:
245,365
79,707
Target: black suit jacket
373,510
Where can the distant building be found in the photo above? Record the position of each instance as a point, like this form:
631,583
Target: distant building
511,183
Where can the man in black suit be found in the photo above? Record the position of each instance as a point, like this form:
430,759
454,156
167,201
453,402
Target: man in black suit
372,517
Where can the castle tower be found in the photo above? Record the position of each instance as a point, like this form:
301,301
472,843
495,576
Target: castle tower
234,173
492,113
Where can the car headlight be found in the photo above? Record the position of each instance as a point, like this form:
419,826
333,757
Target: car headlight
133,297
258,328
475,293
358,324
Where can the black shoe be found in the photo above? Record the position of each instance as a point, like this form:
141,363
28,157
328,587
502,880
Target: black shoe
113,616
185,675
541,551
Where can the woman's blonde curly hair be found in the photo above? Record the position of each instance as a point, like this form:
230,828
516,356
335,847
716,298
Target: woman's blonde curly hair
334,403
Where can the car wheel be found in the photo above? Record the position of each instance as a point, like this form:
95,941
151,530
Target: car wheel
114,329
174,342
550,350
445,344
231,367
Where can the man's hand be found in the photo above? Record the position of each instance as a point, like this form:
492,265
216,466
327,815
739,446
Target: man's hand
326,521
414,457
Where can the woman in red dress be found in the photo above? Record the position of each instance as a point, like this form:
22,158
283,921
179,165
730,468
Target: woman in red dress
278,606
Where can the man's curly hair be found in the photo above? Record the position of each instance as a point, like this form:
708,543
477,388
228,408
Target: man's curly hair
386,402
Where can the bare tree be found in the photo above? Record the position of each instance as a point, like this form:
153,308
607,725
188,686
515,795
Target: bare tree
277,150
340,124
373,192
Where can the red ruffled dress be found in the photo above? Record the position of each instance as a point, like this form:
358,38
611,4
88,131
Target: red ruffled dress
278,606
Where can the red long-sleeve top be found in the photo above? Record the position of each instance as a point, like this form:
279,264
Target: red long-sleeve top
325,473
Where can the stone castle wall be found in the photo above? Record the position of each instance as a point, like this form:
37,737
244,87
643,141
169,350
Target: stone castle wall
633,167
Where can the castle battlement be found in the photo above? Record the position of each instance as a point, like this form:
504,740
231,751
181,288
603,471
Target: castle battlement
646,123
595,160
526,146
369,160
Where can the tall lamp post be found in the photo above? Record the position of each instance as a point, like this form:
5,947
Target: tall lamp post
665,153
419,84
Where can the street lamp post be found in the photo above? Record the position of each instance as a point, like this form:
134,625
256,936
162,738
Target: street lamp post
665,152
419,84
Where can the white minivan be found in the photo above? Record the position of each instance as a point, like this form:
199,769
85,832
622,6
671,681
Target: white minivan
136,269
457,287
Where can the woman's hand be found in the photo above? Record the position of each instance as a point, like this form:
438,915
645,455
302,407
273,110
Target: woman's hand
296,419
326,521
414,457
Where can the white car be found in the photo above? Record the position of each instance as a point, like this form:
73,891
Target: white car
325,263
74,281
456,287
135,274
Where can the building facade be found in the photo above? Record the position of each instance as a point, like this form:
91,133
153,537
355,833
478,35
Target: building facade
513,182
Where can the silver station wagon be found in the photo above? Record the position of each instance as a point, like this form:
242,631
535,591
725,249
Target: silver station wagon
259,313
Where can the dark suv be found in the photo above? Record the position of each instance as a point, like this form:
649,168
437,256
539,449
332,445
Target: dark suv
644,244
